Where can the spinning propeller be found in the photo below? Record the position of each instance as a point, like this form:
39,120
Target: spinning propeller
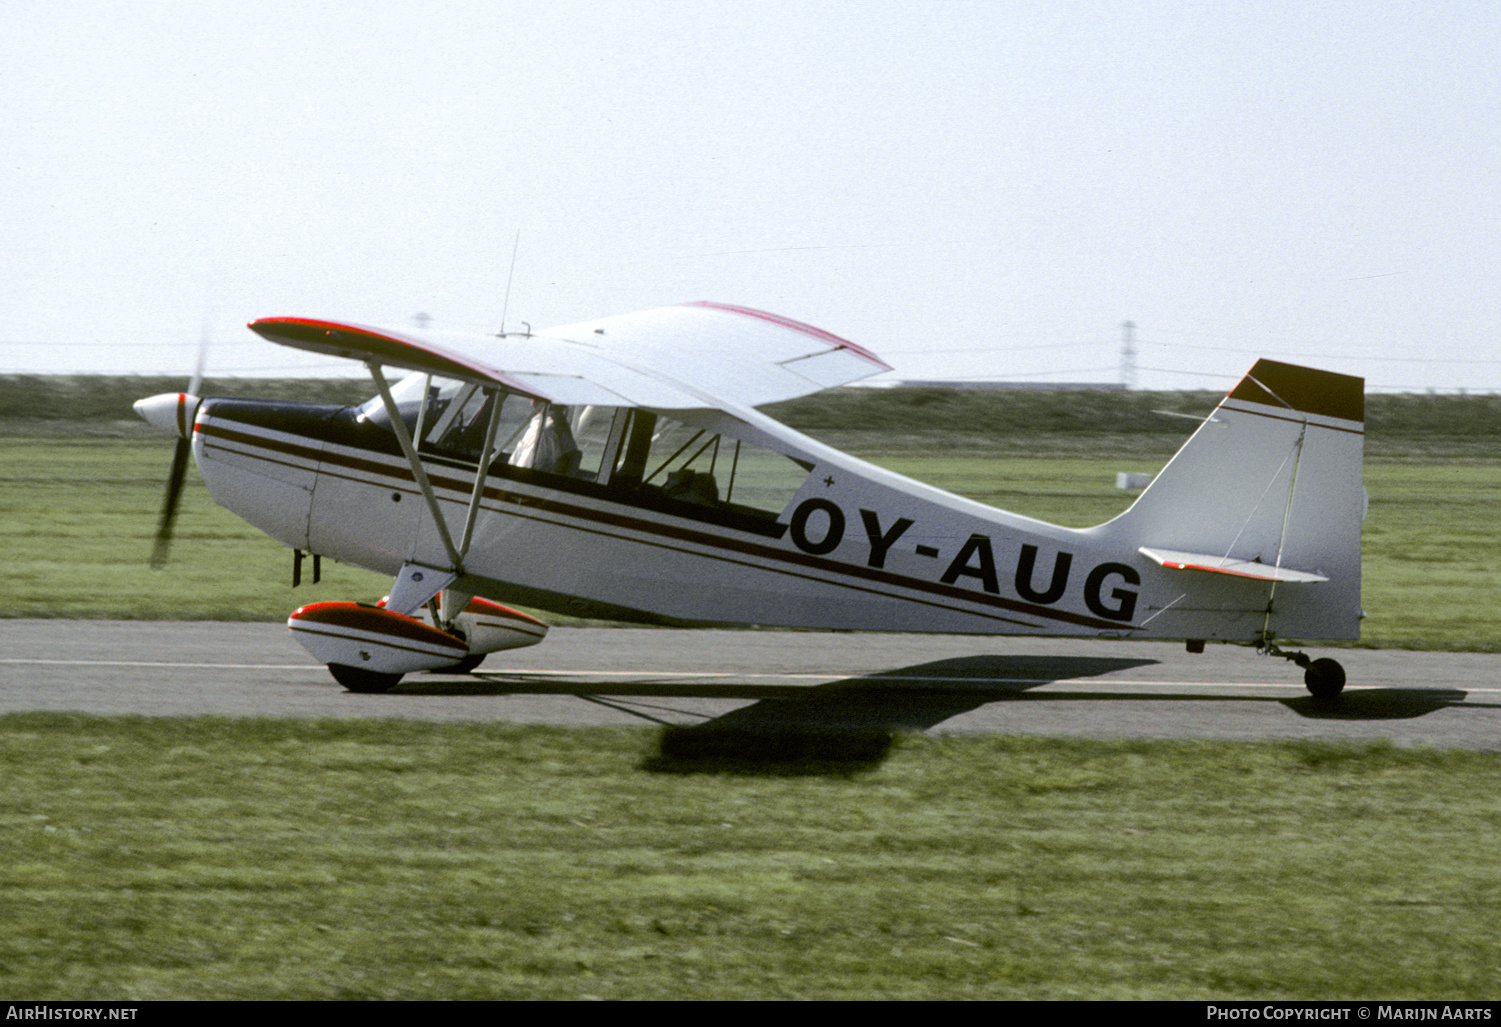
174,412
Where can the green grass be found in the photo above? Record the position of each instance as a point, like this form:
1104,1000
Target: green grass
1432,563
77,515
204,858
77,519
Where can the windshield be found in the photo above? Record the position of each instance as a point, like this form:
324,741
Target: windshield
408,396
455,417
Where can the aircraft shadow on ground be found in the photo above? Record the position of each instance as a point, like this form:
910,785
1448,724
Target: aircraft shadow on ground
1378,704
849,724
839,726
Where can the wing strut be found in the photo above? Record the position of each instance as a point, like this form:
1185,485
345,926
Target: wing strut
404,437
481,471
405,595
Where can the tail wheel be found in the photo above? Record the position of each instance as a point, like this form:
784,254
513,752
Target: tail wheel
1325,678
357,679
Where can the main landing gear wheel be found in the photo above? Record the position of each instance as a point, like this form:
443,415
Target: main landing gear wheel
464,666
357,679
1325,679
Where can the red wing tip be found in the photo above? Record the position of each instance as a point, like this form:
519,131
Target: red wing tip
797,326
1205,567
262,324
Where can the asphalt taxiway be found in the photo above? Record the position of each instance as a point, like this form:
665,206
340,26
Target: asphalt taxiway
934,683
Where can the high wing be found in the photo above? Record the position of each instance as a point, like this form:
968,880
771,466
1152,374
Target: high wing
693,355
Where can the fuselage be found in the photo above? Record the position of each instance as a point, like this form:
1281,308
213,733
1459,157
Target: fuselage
718,517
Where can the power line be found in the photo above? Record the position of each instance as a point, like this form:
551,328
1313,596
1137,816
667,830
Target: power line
992,349
1329,356
1030,374
97,345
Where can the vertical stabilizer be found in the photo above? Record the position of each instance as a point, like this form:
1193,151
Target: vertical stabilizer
1269,490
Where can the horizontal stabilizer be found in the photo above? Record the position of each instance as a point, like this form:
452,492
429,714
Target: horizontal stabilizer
1175,560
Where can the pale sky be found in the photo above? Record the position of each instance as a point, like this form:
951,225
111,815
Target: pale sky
968,189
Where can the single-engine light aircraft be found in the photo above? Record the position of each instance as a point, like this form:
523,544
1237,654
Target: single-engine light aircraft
619,469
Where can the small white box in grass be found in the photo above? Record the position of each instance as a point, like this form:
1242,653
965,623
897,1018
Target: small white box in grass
1128,480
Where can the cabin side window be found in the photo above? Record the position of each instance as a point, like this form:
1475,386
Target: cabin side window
627,454
703,468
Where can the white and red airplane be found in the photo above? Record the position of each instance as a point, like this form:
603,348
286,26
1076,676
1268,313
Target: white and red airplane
619,469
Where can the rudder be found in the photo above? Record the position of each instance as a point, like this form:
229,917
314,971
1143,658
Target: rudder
1268,488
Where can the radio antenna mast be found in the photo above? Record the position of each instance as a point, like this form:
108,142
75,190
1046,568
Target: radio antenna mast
506,303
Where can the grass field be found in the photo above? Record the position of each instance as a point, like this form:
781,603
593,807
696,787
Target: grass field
200,858
77,514
233,859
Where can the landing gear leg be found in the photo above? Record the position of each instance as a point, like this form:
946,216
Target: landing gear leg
469,662
1324,677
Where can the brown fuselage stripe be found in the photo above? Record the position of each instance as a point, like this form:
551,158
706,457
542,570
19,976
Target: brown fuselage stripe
701,538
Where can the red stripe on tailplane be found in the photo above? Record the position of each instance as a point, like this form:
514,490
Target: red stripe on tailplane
1180,561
